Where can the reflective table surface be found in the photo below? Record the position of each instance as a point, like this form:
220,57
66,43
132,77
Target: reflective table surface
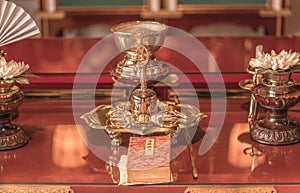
57,155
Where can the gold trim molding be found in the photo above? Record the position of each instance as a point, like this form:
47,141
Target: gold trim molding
228,189
35,189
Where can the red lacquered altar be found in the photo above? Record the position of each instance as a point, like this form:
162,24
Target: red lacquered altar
56,155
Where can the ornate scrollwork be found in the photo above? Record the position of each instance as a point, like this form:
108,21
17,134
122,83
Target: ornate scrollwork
15,140
241,189
279,136
35,189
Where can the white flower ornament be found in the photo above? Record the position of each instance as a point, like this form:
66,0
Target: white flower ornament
13,70
278,62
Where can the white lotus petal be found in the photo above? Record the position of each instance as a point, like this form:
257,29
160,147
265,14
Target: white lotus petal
284,60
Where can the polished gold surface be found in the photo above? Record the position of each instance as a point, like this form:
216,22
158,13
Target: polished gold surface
139,40
130,35
98,119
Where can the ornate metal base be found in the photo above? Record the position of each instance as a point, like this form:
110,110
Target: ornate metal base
103,118
12,138
275,133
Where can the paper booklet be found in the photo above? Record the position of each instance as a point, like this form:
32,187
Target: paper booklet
147,161
15,23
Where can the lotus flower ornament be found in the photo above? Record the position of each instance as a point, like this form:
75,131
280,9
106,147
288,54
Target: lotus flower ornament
284,60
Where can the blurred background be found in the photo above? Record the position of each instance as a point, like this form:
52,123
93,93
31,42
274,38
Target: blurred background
229,29
94,18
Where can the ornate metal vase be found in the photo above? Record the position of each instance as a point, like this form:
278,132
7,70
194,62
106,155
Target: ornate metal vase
277,93
11,135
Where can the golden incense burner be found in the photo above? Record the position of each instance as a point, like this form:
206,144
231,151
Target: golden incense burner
143,113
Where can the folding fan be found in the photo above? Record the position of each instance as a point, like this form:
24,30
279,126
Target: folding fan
15,23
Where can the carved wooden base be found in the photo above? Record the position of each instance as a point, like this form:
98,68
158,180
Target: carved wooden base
275,133
13,139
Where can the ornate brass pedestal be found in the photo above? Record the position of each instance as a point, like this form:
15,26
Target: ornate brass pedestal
11,136
142,113
277,94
